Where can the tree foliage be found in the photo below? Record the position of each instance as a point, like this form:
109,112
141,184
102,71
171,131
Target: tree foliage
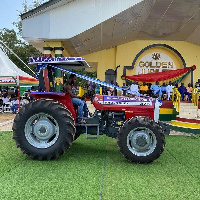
26,8
14,41
19,47
79,81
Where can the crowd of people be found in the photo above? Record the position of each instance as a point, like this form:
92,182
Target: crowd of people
11,100
163,91
95,88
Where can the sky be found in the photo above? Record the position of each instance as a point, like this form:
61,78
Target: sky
9,13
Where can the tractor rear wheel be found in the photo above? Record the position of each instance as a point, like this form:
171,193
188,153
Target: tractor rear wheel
44,129
141,140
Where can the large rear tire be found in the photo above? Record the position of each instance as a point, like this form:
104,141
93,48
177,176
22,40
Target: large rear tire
141,140
44,129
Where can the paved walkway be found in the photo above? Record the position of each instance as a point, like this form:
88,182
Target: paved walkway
7,121
6,126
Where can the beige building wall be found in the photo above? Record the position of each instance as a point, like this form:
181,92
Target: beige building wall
124,55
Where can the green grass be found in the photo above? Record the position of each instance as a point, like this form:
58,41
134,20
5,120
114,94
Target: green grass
175,175
78,173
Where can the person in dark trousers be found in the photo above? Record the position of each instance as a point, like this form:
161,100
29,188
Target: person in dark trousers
82,106
15,105
183,91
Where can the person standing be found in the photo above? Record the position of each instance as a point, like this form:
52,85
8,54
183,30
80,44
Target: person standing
169,90
97,88
189,89
104,90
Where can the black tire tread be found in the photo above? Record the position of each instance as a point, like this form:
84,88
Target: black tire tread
67,130
136,122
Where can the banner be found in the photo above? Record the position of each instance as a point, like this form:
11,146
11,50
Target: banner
166,76
23,81
26,81
8,80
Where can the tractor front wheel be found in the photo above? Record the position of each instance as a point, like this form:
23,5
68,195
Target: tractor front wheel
43,129
141,140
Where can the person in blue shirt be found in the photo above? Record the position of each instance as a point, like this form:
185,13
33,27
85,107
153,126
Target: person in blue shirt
97,88
156,89
163,89
183,91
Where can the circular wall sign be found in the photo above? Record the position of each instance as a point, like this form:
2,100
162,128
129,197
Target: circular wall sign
154,62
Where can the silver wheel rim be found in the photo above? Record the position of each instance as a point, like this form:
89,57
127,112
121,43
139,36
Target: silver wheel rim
41,130
141,141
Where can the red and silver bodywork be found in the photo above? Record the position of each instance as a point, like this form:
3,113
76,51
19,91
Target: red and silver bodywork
132,106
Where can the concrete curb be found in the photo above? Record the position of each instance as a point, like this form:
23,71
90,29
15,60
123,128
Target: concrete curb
184,129
7,122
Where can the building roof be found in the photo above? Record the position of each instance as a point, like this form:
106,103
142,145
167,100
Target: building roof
44,7
88,26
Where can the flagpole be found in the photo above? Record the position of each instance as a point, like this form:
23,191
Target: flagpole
18,86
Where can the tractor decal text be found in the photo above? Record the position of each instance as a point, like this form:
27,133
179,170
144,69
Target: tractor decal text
53,59
115,100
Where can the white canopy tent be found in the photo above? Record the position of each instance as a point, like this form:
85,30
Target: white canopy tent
8,68
10,74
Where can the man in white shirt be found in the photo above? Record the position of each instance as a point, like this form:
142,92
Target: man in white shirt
169,90
134,88
5,99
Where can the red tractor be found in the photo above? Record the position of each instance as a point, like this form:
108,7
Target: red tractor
45,128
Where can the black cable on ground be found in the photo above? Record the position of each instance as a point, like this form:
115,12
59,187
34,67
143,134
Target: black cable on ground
12,168
101,190
183,166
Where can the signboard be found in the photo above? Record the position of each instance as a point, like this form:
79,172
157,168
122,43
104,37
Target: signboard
155,62
118,100
21,81
7,80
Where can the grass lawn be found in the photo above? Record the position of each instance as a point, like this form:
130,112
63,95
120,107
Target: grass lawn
78,173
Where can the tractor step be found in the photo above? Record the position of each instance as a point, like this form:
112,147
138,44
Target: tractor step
86,129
